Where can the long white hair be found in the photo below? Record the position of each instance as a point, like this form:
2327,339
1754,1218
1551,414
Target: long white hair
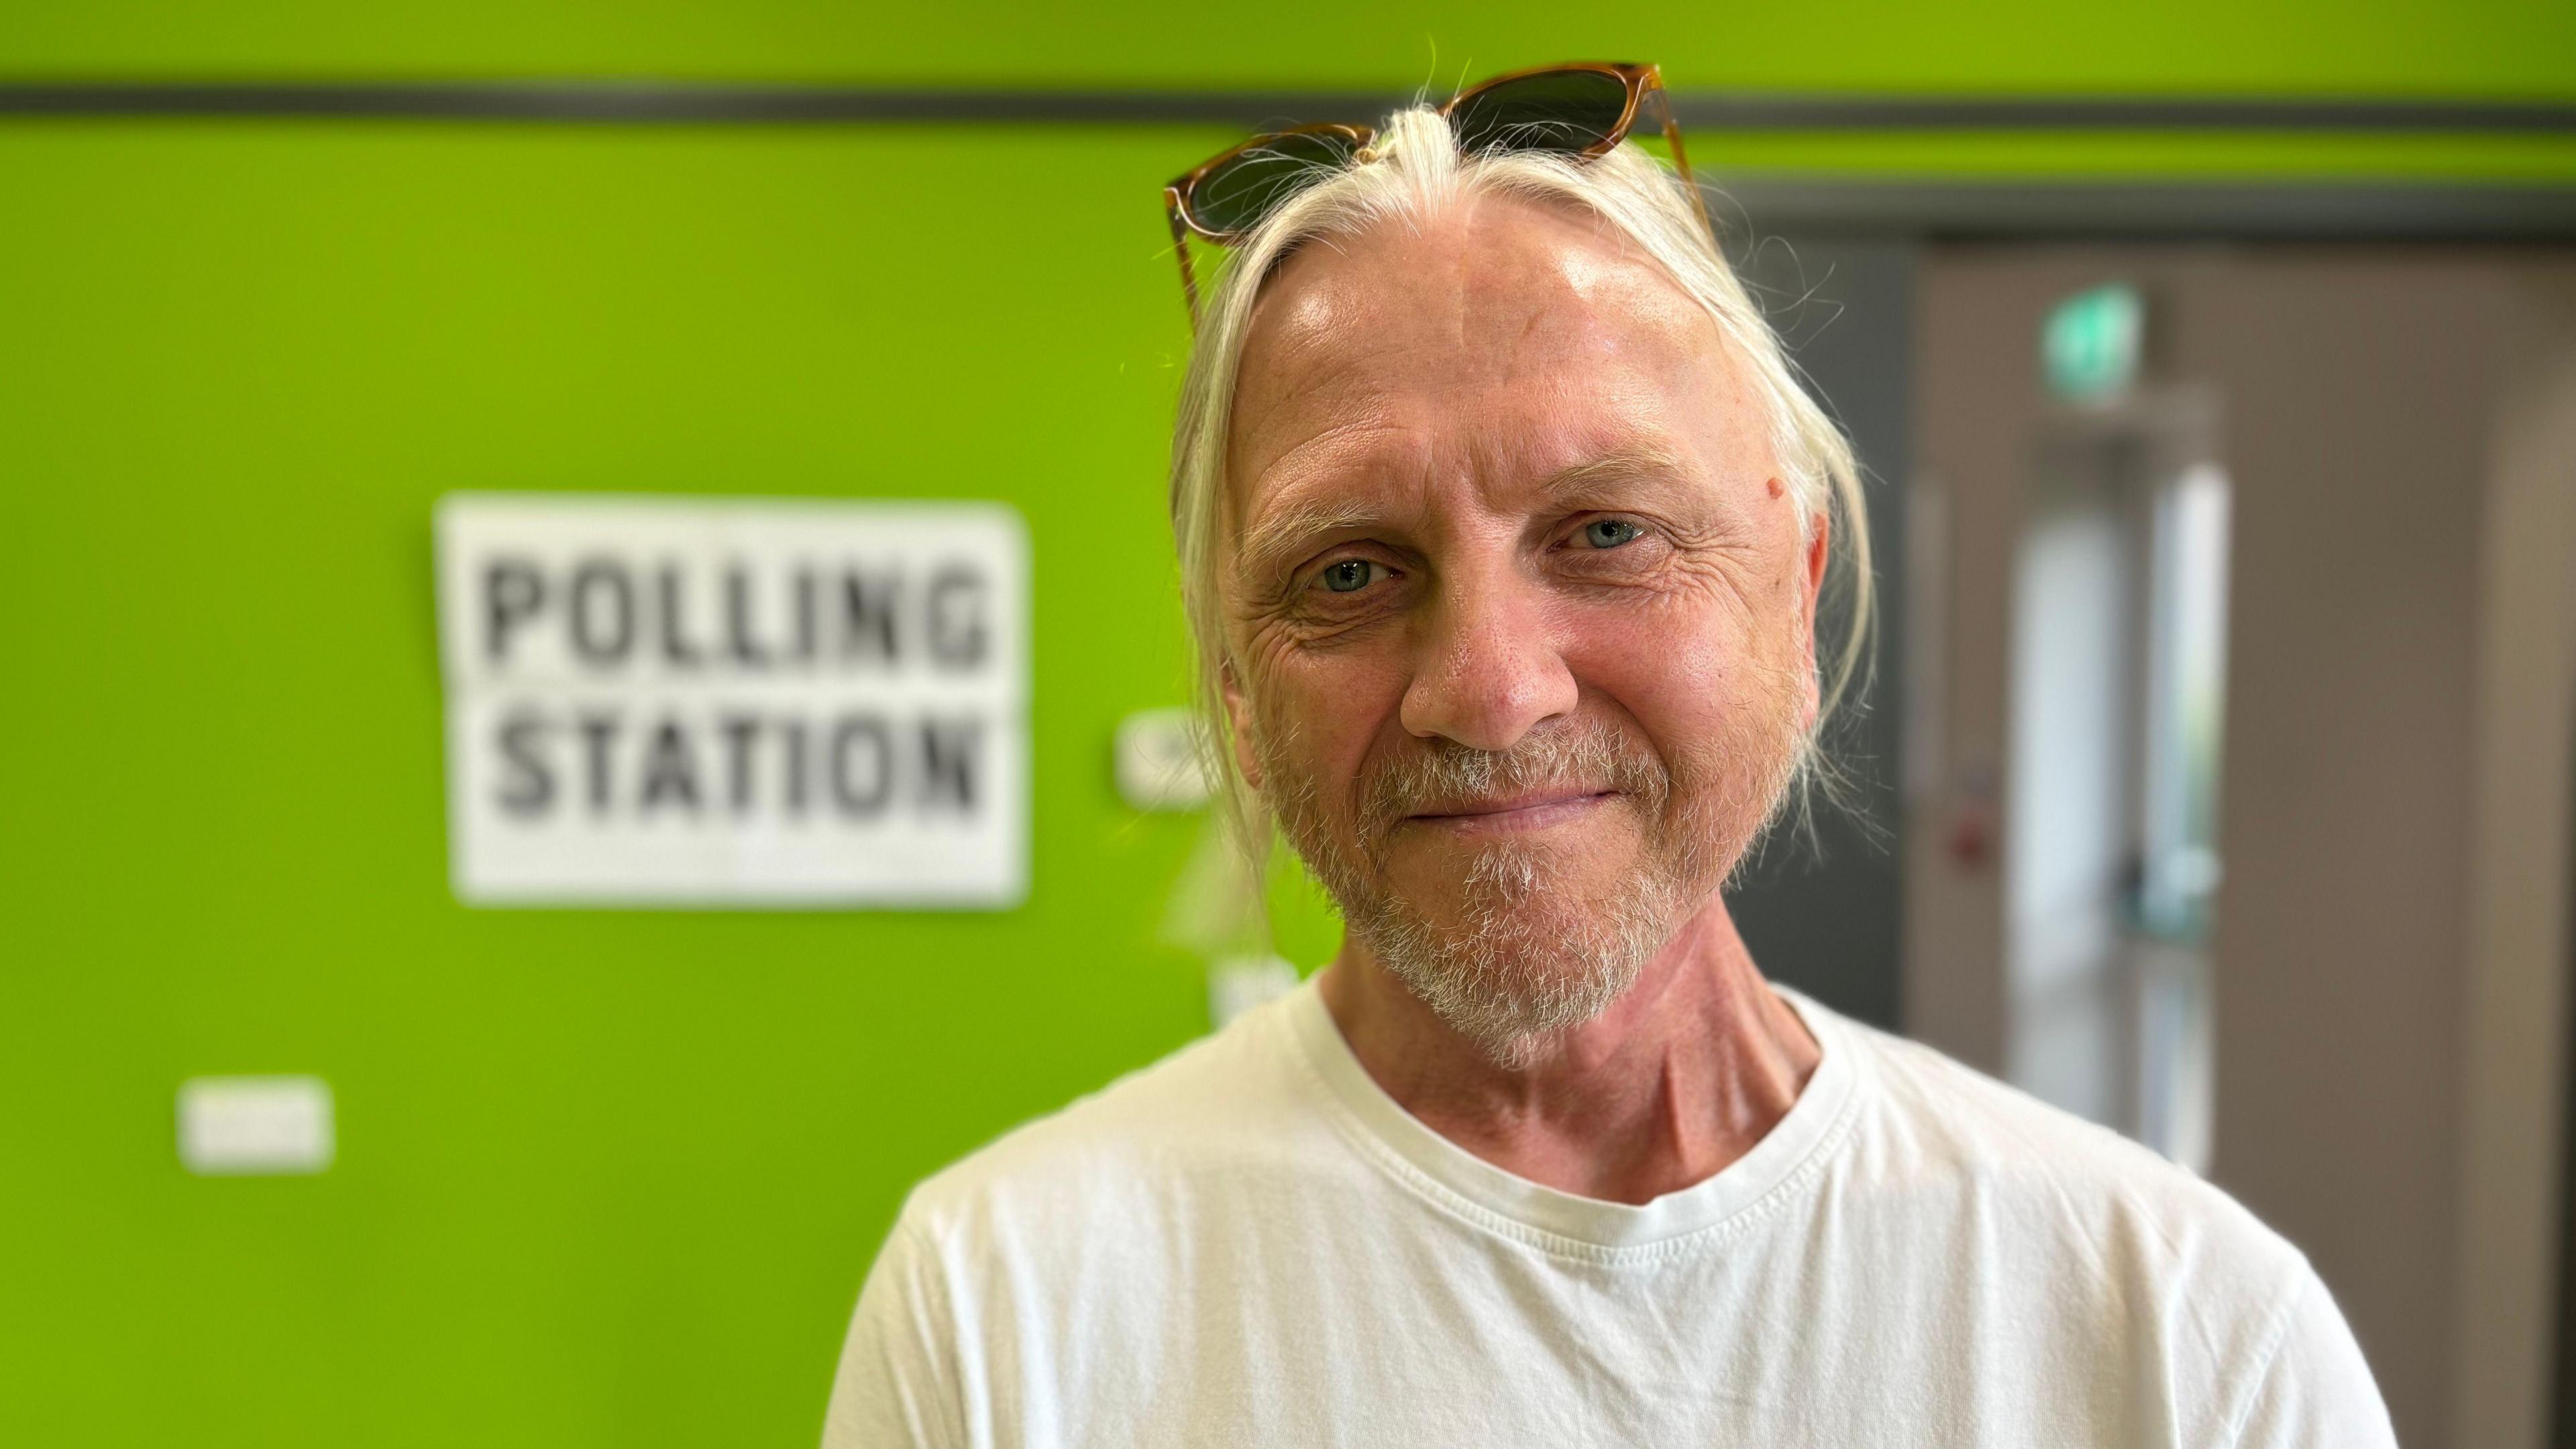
1407,175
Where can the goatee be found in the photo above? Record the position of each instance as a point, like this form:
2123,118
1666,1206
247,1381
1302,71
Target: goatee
1525,948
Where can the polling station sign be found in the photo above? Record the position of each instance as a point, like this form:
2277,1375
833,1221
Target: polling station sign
674,701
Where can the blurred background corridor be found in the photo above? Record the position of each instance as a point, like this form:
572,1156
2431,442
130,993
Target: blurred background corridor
2215,366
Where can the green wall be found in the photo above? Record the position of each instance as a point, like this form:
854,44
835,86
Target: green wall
604,1177
612,1178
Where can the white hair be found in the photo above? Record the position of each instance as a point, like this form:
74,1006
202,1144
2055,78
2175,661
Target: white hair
1410,173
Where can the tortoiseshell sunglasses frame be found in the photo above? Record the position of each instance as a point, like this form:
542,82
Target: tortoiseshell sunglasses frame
1640,81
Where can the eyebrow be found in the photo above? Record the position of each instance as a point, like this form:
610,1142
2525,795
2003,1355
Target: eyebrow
1661,465
1283,538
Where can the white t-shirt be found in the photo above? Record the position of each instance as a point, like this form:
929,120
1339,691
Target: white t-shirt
1251,1243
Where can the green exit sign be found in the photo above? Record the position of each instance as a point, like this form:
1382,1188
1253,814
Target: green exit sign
2092,341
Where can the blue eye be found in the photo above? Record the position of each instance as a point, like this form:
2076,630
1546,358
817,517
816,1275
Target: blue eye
1610,532
1349,576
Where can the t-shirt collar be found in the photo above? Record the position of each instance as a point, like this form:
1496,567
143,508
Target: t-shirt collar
1788,1157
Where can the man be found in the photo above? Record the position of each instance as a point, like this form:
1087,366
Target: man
1503,527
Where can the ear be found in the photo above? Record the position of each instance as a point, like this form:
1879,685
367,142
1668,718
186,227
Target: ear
1817,555
1238,716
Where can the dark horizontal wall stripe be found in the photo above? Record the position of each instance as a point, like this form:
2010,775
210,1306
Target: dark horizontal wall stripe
2311,210
2077,210
2136,113
654,102
651,103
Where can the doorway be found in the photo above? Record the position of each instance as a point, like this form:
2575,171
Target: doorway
2208,818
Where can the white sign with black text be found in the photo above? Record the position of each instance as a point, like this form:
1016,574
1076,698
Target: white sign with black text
703,701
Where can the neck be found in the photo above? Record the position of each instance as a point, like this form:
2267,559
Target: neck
1689,1068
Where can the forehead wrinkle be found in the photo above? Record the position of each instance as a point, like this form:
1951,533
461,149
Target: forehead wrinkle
1362,443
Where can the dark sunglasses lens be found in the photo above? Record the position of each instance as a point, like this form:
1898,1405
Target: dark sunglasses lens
1238,194
1563,110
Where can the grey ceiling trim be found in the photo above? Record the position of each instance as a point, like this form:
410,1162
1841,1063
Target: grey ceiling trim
1759,204
663,103
683,103
2121,113
1751,206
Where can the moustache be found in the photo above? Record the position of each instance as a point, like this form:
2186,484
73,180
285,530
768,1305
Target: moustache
1440,776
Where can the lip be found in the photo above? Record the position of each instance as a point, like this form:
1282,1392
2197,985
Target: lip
1535,811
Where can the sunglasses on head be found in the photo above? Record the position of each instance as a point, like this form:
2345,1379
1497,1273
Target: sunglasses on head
1581,109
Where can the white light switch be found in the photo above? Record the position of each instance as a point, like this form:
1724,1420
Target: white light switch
1158,761
248,1126
1240,983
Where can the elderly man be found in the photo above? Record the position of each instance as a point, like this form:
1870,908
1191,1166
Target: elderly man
1503,527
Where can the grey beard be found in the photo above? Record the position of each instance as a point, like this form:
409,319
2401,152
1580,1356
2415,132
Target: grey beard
1526,959
1512,973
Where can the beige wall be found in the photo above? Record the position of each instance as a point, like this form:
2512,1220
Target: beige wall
2519,909
2386,689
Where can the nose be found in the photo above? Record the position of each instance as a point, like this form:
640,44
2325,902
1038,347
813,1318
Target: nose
1487,670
